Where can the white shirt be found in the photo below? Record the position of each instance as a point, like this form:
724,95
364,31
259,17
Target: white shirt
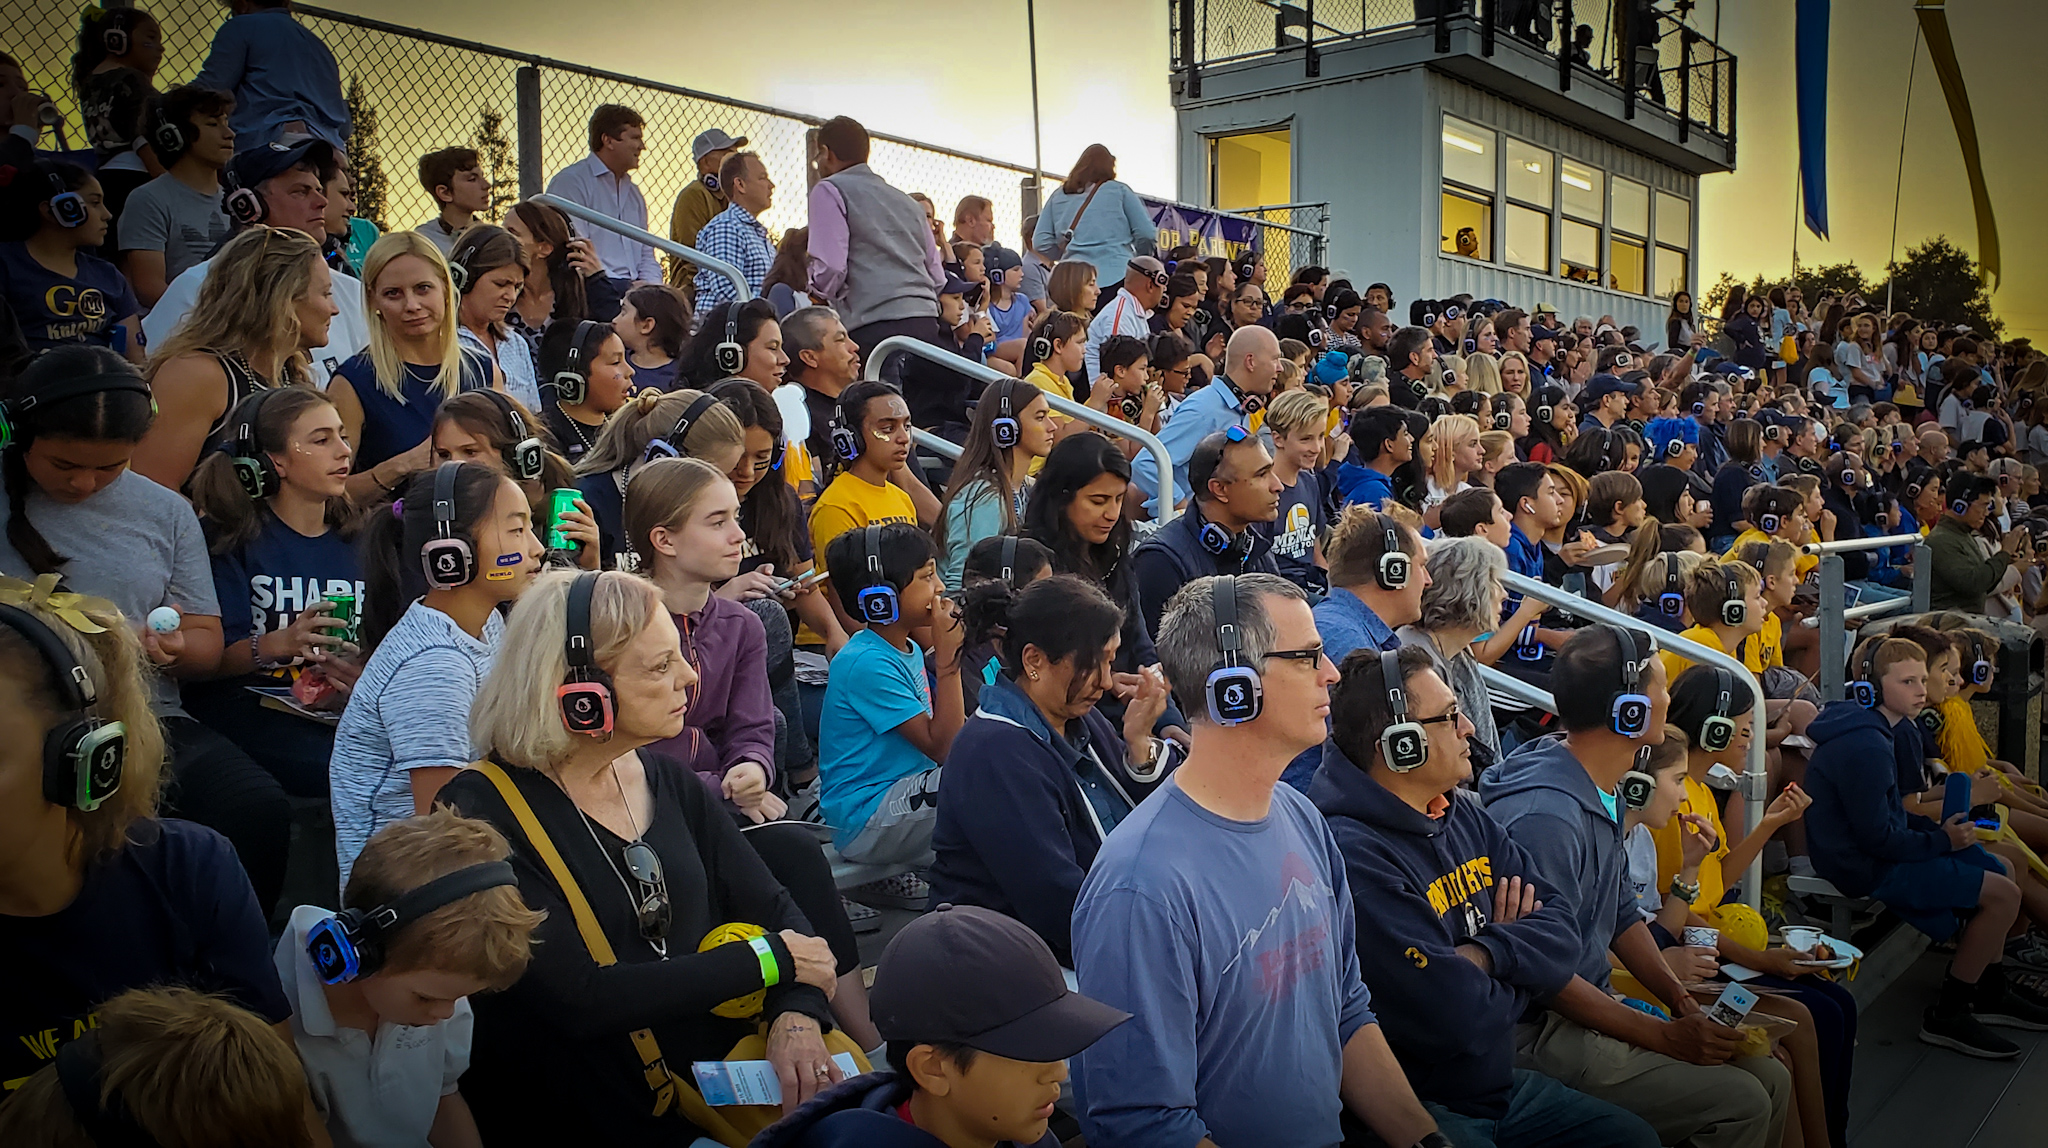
347,334
1123,317
372,1091
592,184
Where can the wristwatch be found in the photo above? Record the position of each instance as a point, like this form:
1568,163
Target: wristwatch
1684,892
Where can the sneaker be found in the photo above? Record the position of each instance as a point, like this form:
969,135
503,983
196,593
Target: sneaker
803,805
2008,1006
862,918
1965,1033
2027,953
903,891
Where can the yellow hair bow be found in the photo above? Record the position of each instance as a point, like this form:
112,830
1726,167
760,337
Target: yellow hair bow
42,594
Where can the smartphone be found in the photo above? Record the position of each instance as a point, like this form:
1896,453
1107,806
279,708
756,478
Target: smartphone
802,582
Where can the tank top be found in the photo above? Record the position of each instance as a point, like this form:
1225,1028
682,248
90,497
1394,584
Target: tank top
243,381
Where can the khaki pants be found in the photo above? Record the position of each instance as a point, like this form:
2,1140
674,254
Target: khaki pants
1740,1104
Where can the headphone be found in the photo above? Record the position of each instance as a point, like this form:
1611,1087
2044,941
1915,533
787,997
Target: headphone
1671,602
729,355
83,754
877,602
710,181
242,204
1502,419
1157,277
1041,343
1404,745
1316,339
1220,542
670,445
572,382
66,207
1544,413
448,558
1734,609
1004,429
167,135
1931,720
102,1115
13,411
254,471
1638,785
1234,692
1629,708
1009,561
1979,671
527,455
845,439
1866,690
1675,447
1717,730
585,698
1392,571
1773,432
355,942
458,263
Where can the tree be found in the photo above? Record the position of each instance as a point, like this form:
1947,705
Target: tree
500,166
1835,278
1939,281
365,165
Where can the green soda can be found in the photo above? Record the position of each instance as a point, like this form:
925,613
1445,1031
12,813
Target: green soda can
345,611
561,502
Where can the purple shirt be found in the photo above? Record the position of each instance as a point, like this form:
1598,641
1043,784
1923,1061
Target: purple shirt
828,242
732,715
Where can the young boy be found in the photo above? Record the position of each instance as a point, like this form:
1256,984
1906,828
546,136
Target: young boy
1775,512
385,1040
1298,420
1665,905
175,220
454,177
1726,600
1614,509
980,1023
883,733
1868,845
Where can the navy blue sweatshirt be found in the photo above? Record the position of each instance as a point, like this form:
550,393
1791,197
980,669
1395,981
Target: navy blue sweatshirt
1422,886
1856,828
1022,812
860,1112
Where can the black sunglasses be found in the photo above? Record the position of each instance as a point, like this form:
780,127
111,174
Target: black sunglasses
653,910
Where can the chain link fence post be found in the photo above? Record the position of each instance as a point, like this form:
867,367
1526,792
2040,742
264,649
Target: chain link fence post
526,87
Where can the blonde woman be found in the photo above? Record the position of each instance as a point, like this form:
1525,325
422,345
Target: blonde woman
1482,373
389,394
1457,457
1514,374
267,300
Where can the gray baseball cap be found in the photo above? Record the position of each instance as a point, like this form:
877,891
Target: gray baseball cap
714,140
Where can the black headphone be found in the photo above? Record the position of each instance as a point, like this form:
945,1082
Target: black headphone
1629,707
67,207
83,754
13,411
845,439
1009,561
670,445
355,942
878,602
1041,343
1717,730
586,699
1218,541
171,138
526,456
1638,785
1734,608
254,471
1544,413
1394,565
1234,692
1004,429
1404,745
730,356
572,382
1866,690
101,1114
458,262
242,204
448,558
1502,419
1671,602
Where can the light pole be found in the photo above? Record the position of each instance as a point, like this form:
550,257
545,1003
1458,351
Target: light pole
1037,158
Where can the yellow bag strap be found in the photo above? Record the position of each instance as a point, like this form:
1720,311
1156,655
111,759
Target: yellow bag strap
661,1080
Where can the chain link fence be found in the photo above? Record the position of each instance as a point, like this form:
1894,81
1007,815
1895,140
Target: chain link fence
413,92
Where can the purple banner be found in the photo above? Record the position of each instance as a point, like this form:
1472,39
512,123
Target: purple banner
1215,234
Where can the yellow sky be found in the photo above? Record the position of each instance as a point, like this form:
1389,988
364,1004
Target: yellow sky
957,74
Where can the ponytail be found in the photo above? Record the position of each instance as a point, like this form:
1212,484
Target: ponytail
1643,549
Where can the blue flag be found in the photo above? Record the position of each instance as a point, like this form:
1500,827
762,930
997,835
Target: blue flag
1811,83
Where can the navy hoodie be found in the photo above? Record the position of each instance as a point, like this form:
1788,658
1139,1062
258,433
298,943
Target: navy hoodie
1422,886
1856,828
860,1112
1022,812
1550,807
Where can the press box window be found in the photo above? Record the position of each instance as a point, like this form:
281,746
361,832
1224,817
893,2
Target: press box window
1468,190
1674,241
1628,246
1531,174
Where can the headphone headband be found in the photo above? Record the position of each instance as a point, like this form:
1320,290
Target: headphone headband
577,639
74,685
444,499
446,889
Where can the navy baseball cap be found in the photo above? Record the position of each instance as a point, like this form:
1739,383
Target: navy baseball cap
274,159
1538,334
1600,386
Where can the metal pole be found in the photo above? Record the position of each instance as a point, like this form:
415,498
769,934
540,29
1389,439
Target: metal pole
1899,181
526,102
1037,157
1833,631
1923,577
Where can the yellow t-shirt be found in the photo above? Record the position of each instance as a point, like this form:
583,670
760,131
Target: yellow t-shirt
1801,566
852,502
1698,800
1962,746
1675,665
1767,649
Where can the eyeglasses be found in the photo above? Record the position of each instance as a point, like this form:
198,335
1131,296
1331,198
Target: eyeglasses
1300,304
1313,655
652,905
1451,715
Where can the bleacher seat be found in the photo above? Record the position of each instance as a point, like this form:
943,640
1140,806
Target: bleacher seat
1842,909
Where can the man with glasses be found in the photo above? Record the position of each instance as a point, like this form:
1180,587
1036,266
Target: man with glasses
1234,486
1457,933
1219,915
1130,313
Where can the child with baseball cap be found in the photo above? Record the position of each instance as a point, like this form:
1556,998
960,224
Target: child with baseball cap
979,1022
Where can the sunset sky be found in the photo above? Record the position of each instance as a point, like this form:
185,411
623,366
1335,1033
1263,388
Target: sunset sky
958,74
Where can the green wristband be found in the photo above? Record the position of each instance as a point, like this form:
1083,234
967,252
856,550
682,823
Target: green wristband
771,969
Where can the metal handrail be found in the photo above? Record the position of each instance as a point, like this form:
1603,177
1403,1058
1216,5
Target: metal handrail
1508,685
1867,610
881,351
1848,545
669,246
1755,781
935,444
1833,616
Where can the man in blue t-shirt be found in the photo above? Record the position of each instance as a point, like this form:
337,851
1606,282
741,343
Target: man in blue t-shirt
1218,914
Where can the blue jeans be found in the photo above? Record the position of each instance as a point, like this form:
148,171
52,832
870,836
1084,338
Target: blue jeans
1545,1114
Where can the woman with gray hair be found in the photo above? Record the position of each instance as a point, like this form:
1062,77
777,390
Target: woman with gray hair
1460,605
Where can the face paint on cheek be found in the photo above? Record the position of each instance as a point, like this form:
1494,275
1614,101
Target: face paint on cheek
511,559
504,568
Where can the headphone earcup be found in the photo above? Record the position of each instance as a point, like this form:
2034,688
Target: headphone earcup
1734,612
1636,789
448,562
845,443
246,207
1717,733
1041,348
1404,747
731,358
1215,539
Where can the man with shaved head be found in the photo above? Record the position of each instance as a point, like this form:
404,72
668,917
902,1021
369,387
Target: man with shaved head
1250,366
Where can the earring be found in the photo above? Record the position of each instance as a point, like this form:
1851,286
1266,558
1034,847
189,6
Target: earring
1034,675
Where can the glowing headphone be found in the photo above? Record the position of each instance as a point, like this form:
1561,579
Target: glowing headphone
586,699
1671,602
670,445
1004,429
572,382
1404,744
1234,692
1866,690
1734,609
1980,666
526,456
66,207
878,602
448,558
1629,708
254,472
1717,730
354,943
730,356
1219,541
83,753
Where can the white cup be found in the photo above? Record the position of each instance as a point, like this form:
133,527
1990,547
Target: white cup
1800,937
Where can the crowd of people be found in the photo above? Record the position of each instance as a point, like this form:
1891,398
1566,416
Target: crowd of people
608,606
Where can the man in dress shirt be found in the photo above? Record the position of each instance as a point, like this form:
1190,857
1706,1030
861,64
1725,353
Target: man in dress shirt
602,181
735,234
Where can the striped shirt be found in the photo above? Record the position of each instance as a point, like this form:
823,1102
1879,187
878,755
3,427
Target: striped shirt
409,710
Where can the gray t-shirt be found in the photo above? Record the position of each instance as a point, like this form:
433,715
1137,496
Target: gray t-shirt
168,216
135,544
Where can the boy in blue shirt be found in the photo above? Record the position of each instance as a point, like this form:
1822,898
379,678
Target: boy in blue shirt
882,732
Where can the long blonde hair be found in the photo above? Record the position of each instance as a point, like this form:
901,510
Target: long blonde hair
1482,373
383,349
249,300
650,415
516,715
1450,430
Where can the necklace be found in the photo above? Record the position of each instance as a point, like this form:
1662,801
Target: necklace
582,436
660,947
